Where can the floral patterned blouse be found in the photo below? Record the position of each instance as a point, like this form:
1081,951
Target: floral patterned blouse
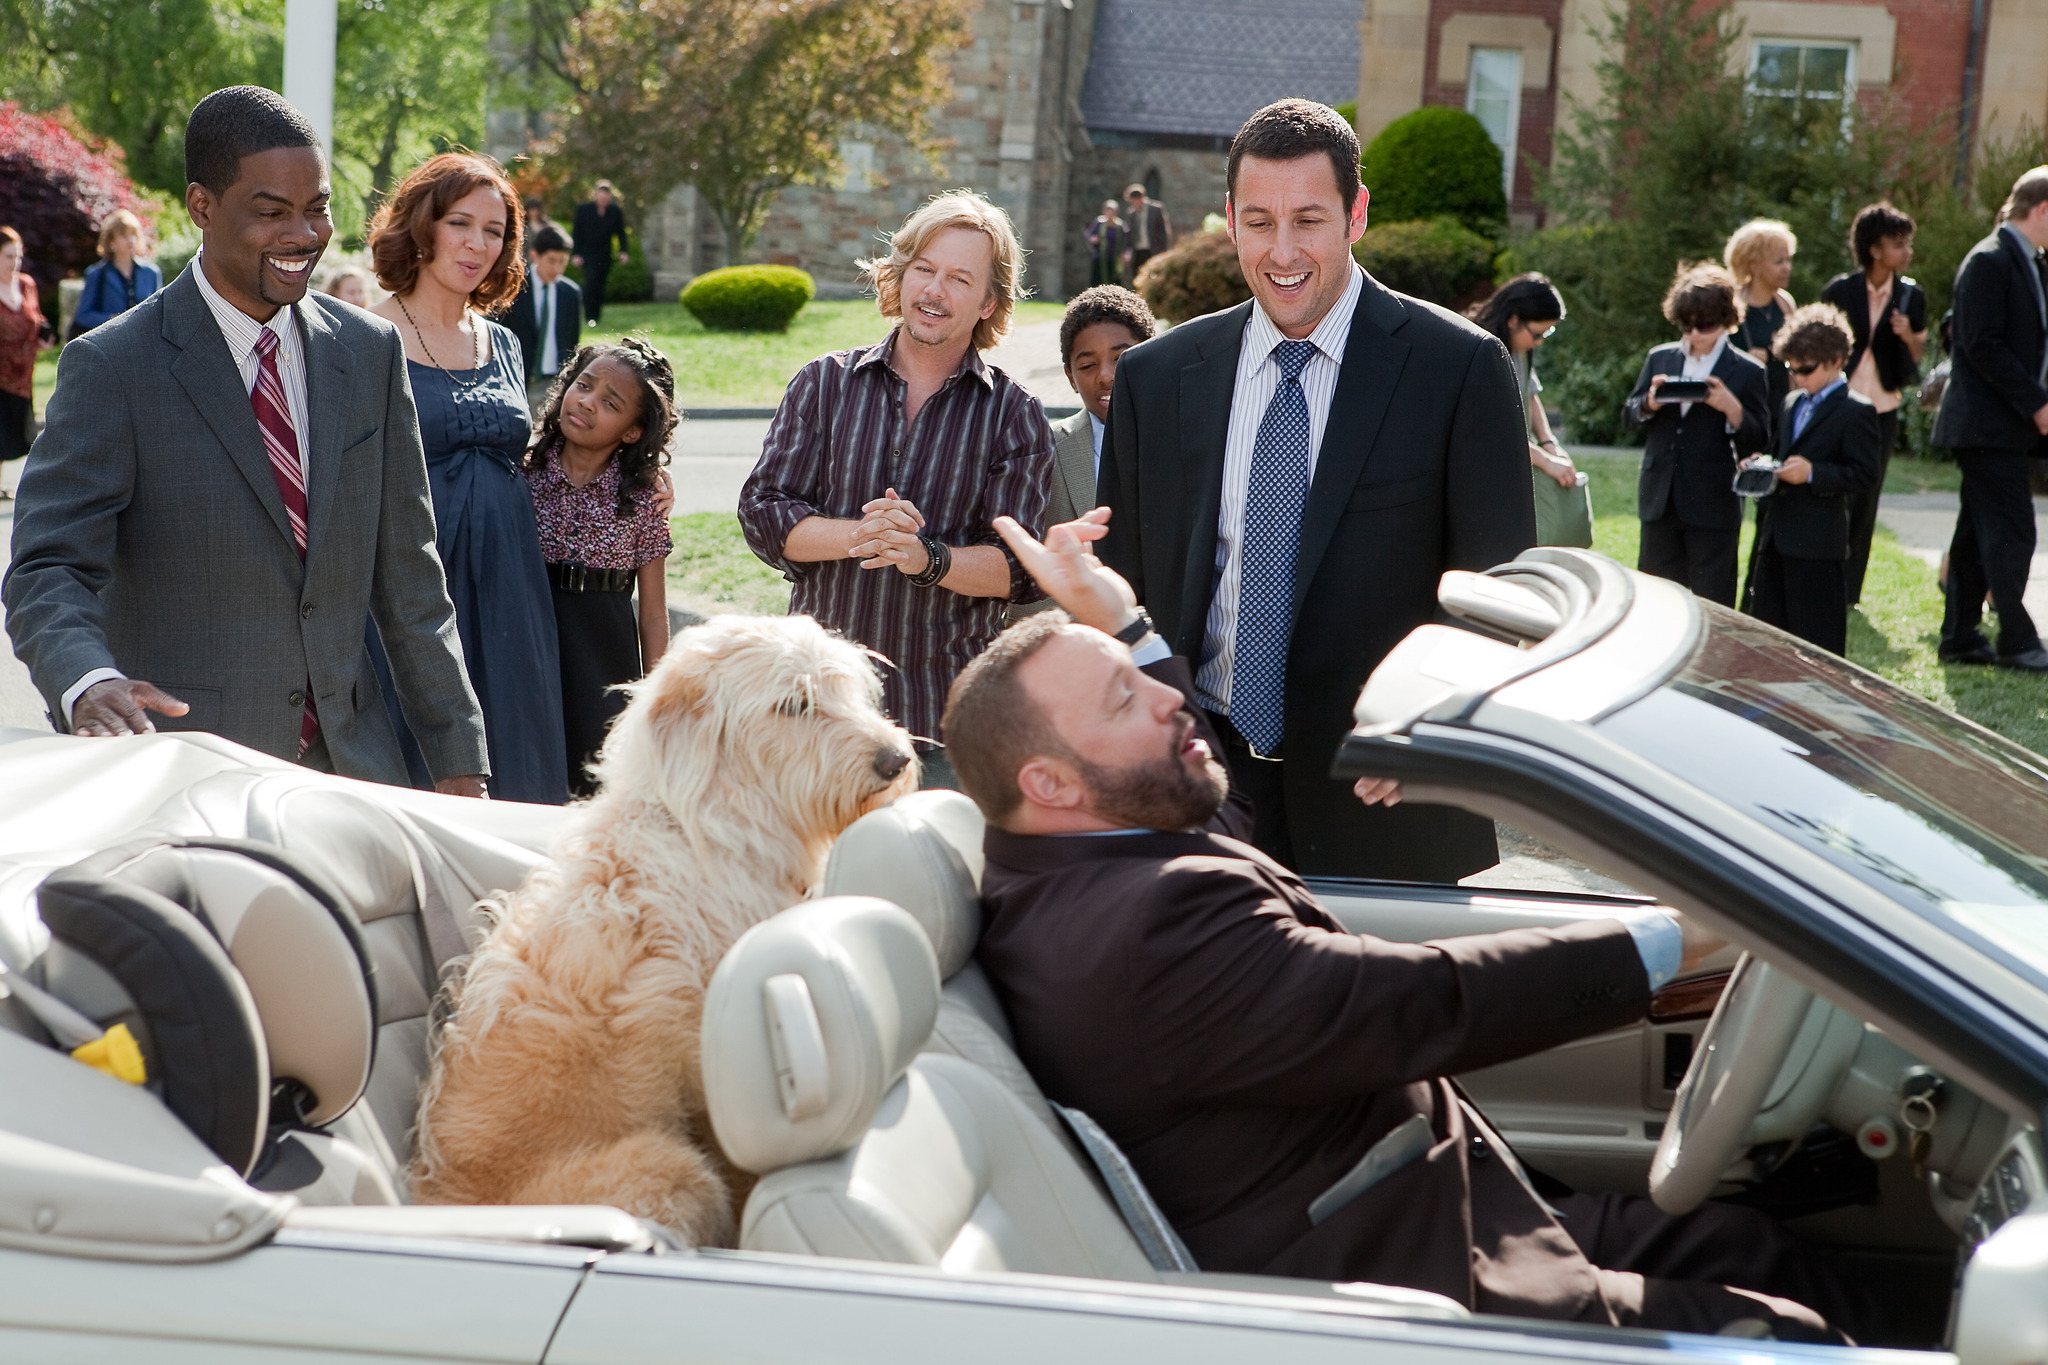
583,525
18,328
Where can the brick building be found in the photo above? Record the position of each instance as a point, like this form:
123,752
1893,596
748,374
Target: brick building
1515,63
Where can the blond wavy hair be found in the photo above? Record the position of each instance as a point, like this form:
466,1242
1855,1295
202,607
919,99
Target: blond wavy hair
954,209
1753,241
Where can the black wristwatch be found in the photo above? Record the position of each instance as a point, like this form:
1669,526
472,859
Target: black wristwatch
1135,631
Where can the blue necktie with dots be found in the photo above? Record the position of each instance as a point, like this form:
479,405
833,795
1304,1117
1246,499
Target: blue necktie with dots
1275,492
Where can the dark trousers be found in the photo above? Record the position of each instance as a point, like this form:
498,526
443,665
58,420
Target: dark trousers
1863,509
1138,259
1700,1271
1803,596
1992,551
1701,558
595,268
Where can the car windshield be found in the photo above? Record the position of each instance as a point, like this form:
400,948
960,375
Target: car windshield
1948,819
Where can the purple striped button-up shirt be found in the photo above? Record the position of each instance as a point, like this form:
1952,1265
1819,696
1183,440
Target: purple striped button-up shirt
979,449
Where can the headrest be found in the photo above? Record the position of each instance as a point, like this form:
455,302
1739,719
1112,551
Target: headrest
810,1020
924,854
242,967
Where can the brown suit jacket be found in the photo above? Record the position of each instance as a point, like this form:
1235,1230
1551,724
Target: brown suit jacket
1187,992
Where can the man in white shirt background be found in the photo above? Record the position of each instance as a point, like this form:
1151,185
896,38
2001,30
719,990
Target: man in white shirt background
547,317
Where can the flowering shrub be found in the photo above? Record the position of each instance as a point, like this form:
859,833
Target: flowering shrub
56,187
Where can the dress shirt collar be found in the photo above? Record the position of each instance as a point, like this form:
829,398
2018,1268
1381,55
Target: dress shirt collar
237,327
1809,404
1261,336
1095,430
879,353
1700,366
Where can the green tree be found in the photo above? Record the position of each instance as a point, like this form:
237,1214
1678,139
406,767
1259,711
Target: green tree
743,98
1435,161
410,79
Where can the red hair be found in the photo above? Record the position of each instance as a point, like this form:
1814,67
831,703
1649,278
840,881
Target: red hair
402,234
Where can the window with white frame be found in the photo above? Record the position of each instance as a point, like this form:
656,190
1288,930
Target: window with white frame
1493,95
1802,68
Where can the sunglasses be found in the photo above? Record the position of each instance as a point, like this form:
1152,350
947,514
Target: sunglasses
1802,371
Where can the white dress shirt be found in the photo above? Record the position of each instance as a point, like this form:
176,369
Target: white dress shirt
1700,366
1258,379
546,298
1095,429
240,331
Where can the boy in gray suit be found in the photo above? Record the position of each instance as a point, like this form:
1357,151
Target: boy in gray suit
230,484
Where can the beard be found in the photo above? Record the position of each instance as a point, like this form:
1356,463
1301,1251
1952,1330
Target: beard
1164,794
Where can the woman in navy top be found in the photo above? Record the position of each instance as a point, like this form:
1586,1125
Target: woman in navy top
117,281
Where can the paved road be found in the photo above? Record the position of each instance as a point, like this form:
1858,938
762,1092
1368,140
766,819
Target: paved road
1924,522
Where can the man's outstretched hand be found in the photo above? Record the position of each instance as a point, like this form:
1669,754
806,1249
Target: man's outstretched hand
121,706
1064,564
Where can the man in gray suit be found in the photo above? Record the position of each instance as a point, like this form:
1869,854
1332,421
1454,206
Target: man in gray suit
230,484
1101,324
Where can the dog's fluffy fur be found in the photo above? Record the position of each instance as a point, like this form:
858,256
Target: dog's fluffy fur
569,1070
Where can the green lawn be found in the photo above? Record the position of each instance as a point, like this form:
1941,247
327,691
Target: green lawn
1895,630
712,572
751,369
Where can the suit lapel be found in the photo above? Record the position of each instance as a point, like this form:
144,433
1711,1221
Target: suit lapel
1823,413
1373,359
1074,453
1206,389
208,373
327,391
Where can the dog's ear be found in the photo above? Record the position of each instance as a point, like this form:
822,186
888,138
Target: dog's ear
674,693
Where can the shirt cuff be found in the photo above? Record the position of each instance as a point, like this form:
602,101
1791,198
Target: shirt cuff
1151,650
1659,942
77,689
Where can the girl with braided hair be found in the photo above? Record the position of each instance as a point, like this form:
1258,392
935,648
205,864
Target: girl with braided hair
594,470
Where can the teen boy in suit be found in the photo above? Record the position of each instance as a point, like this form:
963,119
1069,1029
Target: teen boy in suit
547,317
1831,447
1692,519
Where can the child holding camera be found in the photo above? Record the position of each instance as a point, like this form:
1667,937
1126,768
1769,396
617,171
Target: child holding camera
1706,404
1830,449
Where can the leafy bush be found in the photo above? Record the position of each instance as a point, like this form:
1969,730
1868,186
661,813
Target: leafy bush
630,281
1199,275
1440,260
1436,161
55,189
749,298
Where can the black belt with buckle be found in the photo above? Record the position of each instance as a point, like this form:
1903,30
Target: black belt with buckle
574,577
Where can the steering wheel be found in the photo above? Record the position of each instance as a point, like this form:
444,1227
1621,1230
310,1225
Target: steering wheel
1739,1056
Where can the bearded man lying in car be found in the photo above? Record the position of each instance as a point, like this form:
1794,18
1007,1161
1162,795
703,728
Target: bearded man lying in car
1280,1084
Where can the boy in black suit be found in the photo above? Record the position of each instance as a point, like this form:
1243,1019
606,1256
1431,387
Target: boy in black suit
548,303
1831,450
1692,520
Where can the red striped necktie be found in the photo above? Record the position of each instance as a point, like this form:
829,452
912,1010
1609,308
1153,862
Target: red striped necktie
281,442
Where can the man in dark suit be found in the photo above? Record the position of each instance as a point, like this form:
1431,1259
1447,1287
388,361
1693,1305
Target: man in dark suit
1147,229
231,484
1254,1060
1994,413
1830,448
547,316
1685,495
1887,313
1291,477
598,223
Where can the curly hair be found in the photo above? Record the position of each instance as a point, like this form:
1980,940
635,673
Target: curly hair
955,209
1749,245
638,459
1104,303
1873,224
1702,295
1816,334
402,233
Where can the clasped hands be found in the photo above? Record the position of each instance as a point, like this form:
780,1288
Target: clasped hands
886,537
1095,595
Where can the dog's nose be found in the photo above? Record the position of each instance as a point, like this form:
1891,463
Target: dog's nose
890,762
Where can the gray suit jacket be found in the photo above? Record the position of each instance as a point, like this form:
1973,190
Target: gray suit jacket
149,536
1073,484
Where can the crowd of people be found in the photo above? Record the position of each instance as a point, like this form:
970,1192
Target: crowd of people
400,541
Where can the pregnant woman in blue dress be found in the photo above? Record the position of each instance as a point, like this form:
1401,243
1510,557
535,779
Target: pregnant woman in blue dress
447,246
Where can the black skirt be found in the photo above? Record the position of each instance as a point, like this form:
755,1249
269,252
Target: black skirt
599,634
14,420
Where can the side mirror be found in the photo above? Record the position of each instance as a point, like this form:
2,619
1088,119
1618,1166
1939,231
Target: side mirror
2003,1318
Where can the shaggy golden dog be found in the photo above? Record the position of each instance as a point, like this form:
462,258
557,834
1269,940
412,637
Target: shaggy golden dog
569,1070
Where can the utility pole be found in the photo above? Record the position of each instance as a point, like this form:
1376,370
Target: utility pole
309,64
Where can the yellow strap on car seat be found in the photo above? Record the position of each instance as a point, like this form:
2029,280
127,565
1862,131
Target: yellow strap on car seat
116,1053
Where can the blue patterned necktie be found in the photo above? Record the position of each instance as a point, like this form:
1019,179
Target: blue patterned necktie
1275,491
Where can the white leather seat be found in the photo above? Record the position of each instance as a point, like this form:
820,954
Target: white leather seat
812,1035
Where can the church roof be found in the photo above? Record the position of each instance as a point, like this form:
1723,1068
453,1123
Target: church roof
1203,66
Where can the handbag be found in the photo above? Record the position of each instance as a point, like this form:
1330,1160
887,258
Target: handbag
1564,516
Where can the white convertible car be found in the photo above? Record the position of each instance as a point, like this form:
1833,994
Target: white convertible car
220,970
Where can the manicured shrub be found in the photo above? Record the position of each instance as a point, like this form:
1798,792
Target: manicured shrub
1439,260
1199,275
1436,161
749,298
55,188
630,281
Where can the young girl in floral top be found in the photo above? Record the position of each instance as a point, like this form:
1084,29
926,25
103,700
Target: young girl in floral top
592,469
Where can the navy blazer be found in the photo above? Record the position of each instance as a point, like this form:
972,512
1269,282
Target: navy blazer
105,296
1994,384
523,321
1689,459
1845,444
1896,368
